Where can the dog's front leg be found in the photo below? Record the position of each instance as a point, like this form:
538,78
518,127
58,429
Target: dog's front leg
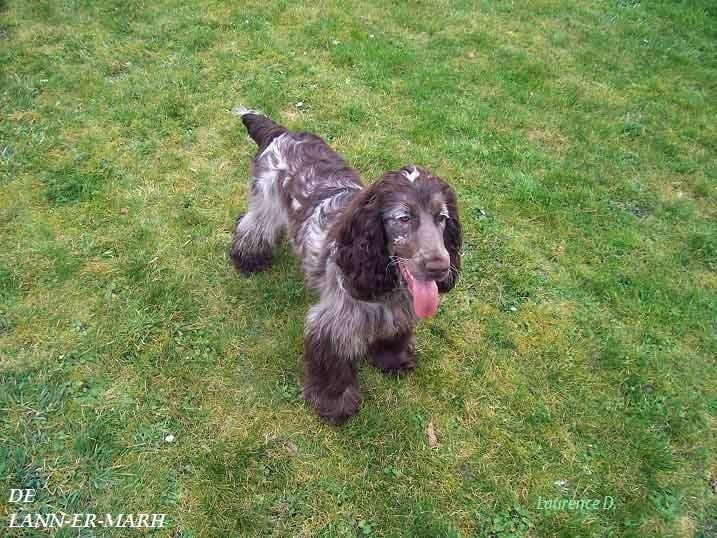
330,376
395,354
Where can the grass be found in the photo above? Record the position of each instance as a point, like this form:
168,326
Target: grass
575,360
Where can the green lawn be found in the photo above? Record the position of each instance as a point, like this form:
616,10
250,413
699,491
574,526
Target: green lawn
575,360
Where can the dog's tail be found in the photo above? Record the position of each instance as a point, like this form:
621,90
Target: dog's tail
260,127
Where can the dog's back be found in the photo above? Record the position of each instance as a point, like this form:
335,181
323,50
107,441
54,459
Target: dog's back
298,184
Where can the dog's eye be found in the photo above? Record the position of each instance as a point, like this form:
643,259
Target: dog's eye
404,219
441,218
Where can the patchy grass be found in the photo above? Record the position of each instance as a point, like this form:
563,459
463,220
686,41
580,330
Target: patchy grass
576,359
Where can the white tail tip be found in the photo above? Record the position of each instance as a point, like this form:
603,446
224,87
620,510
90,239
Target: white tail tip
240,111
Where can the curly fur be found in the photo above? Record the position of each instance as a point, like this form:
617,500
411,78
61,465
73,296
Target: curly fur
452,239
361,249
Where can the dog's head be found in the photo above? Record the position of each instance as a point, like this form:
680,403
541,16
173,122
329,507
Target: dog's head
404,230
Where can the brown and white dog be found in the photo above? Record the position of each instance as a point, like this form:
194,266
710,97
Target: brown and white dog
378,256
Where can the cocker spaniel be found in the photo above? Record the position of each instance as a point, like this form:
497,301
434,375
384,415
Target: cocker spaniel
378,256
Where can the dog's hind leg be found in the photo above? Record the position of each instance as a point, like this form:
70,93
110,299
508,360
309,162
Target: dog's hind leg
257,231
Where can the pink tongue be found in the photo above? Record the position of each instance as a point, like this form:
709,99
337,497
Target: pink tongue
425,297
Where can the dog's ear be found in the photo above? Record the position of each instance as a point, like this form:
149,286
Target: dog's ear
452,239
361,249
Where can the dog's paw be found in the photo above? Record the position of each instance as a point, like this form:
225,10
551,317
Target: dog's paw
248,265
394,362
335,409
248,261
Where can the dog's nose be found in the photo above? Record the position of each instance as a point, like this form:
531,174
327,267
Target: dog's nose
436,266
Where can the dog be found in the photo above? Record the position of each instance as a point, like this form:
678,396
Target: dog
378,255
